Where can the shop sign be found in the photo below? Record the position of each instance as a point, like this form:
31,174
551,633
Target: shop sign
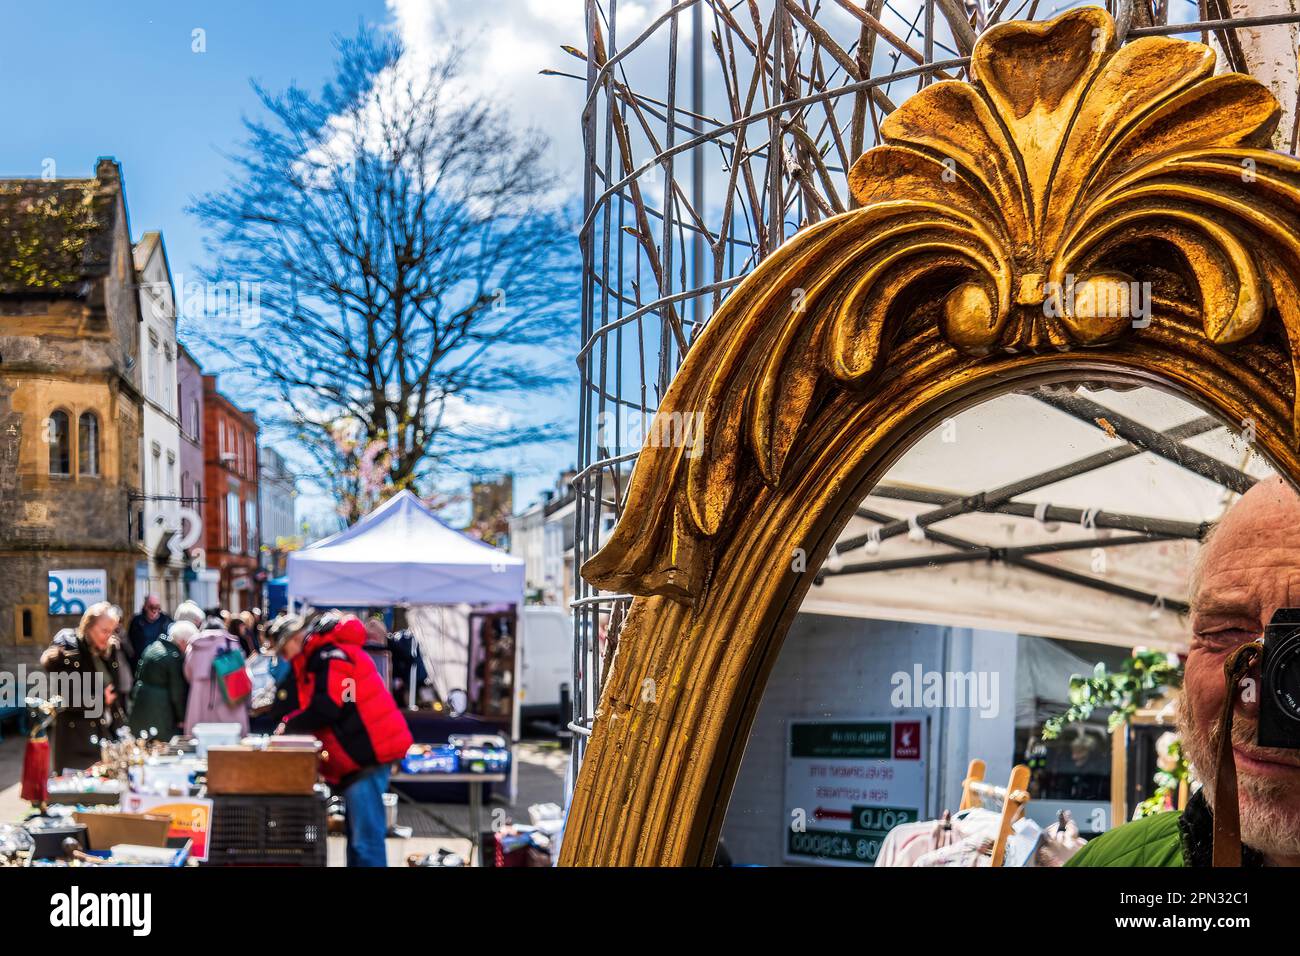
848,783
72,591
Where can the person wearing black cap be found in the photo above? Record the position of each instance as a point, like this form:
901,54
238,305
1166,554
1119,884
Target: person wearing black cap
287,634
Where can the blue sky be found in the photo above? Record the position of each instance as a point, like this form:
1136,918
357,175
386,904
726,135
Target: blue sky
87,79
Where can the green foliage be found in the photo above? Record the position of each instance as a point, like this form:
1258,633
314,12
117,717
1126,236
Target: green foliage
1167,781
1142,678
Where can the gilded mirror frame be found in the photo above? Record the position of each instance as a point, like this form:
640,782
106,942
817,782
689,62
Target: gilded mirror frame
1001,238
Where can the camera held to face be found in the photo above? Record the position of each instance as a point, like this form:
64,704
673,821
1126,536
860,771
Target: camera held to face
1279,693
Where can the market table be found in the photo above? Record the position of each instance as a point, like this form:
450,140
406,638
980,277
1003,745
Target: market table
475,781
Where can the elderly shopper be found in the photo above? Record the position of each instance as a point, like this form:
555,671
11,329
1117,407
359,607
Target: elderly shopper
207,704
93,652
145,628
160,693
1248,569
191,613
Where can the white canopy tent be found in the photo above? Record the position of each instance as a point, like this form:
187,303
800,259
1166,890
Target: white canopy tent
401,554
1099,553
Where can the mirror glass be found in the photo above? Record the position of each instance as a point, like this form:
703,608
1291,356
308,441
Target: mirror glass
1020,549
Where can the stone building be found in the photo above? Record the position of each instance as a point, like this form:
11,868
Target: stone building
492,502
70,404
232,525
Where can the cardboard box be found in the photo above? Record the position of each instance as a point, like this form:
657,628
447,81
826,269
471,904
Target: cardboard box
245,770
104,830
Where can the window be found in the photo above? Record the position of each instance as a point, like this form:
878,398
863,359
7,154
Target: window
88,444
169,379
57,429
234,537
151,363
155,472
250,524
194,418
171,475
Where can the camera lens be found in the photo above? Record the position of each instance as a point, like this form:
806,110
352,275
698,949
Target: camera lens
1282,675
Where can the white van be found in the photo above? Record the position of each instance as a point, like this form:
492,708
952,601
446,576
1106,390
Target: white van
546,662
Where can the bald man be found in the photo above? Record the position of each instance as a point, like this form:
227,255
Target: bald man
146,627
1248,568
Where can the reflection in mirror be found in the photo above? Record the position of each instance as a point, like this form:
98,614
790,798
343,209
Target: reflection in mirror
1015,588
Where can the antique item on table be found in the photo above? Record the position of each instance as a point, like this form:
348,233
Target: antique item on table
15,844
49,833
104,829
244,769
36,753
85,789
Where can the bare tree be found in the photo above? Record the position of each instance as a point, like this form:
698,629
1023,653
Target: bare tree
408,261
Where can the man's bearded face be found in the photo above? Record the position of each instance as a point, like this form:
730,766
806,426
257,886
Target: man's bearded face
1250,568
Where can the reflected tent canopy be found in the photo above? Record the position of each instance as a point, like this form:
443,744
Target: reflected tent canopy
1101,554
402,554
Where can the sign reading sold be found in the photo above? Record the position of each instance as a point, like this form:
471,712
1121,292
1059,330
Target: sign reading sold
848,783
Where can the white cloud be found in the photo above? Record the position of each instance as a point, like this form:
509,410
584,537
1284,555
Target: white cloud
508,47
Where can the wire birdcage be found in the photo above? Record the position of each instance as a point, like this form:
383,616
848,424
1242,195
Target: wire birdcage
713,131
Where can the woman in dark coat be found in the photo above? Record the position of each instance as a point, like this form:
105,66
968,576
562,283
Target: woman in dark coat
97,708
160,693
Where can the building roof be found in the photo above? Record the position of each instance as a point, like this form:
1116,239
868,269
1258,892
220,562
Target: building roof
56,235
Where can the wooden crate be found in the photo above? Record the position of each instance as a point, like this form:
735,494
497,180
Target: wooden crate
105,830
244,770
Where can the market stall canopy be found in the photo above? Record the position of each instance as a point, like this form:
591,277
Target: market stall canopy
1043,672
402,554
1063,513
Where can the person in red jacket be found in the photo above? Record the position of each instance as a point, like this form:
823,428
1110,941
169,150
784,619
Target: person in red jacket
342,700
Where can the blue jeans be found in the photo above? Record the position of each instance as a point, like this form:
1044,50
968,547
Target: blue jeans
367,822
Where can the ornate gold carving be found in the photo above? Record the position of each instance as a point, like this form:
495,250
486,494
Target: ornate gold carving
1020,202
1006,233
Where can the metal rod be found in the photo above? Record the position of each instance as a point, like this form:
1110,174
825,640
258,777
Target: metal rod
1055,513
954,505
1148,439
992,553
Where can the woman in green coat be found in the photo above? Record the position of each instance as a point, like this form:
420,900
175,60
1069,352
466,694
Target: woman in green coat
160,691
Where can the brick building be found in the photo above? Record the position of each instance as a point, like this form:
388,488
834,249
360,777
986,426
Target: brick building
70,404
231,520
